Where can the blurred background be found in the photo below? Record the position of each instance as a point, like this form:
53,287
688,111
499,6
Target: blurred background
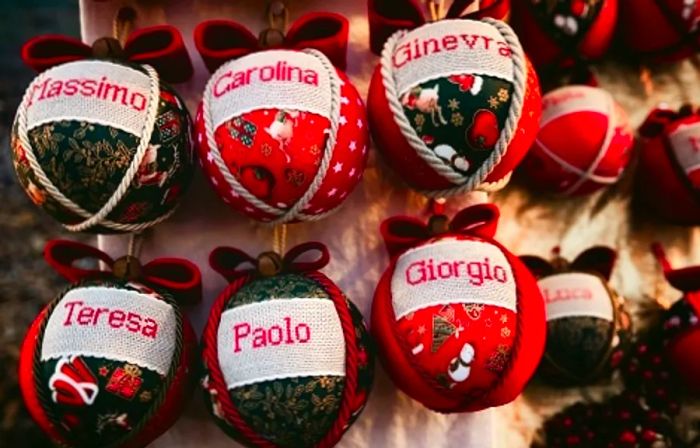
26,283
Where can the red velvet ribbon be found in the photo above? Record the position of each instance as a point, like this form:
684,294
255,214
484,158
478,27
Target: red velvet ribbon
159,46
599,259
659,118
388,16
178,276
684,279
401,233
233,263
219,41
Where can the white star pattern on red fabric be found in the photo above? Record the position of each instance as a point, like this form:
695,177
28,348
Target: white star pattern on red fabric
332,192
342,120
352,172
360,124
338,167
344,100
233,193
210,157
248,208
352,146
364,149
214,181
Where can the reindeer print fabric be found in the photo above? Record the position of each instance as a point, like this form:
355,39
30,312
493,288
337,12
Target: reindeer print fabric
455,84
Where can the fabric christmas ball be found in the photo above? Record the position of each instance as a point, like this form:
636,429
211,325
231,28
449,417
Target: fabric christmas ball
584,142
458,319
560,33
675,25
103,146
287,361
668,174
588,329
108,363
282,135
454,105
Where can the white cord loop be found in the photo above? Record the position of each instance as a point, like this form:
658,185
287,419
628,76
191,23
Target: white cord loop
463,183
295,211
98,218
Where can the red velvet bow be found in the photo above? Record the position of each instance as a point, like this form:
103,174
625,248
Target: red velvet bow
599,259
388,16
401,233
659,118
179,277
685,279
233,263
159,46
219,41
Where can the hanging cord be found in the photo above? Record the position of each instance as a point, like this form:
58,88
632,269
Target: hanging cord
128,267
123,24
436,8
279,239
646,80
277,22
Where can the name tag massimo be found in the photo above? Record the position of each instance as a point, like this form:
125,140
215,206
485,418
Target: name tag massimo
247,336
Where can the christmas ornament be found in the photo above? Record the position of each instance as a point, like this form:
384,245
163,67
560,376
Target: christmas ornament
588,328
668,174
584,142
681,329
283,333
458,319
108,362
675,25
563,33
454,105
282,132
99,141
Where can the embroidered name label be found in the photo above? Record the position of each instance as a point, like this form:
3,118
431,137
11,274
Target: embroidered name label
685,142
576,294
280,79
280,338
112,323
450,47
571,99
93,91
452,271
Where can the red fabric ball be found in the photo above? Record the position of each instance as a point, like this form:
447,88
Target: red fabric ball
584,142
558,33
107,363
448,87
271,116
459,320
675,25
668,177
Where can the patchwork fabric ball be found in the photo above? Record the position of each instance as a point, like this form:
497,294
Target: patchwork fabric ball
287,358
562,32
584,142
108,363
588,329
282,135
458,319
454,105
668,174
675,25
103,146
681,323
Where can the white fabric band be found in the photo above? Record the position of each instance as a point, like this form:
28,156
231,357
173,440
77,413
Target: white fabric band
570,99
97,92
685,143
274,79
450,47
452,271
112,323
280,338
576,294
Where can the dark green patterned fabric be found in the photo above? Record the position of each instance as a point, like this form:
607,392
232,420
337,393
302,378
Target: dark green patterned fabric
86,162
126,393
459,117
299,411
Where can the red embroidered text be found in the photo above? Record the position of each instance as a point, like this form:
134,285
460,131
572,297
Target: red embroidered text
82,315
477,272
246,335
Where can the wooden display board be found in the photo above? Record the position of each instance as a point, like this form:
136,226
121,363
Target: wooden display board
528,226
